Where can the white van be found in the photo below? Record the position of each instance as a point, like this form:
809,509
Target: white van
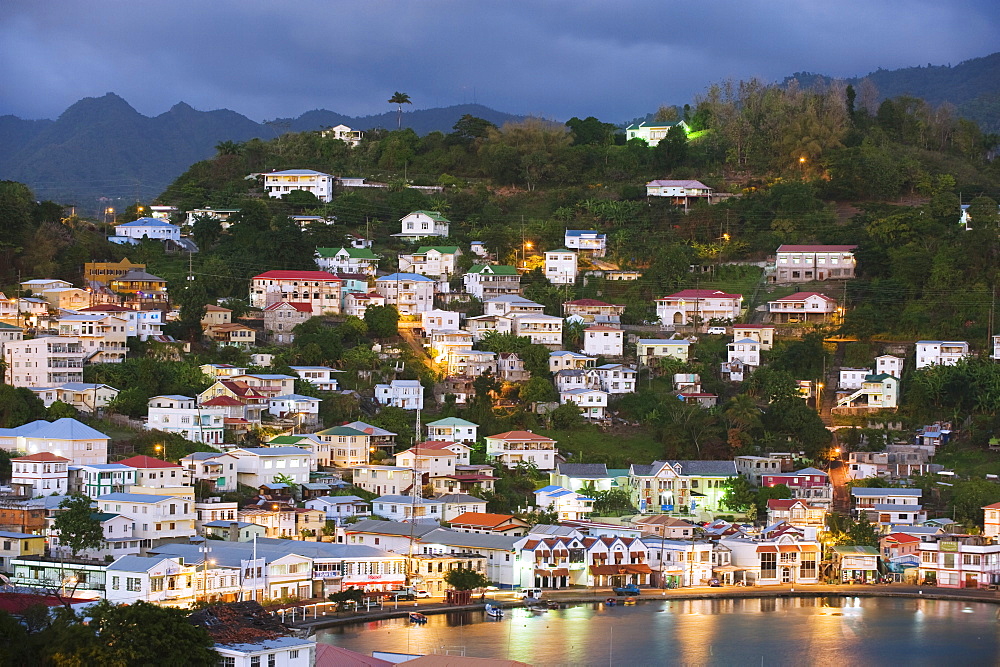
716,331
534,593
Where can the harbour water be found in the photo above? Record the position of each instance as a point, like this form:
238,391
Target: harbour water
765,631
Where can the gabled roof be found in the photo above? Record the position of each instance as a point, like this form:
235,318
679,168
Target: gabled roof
342,430
138,275
664,341
66,428
443,249
698,185
147,222
296,305
493,269
368,429
484,519
296,172
867,492
433,215
802,296
584,232
452,421
353,253
143,461
42,457
583,470
222,402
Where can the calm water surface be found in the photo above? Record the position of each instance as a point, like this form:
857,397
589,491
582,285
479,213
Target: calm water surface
846,632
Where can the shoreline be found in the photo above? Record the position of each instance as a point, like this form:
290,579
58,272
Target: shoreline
655,594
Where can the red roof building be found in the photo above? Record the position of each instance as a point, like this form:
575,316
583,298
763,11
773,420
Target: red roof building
489,524
320,289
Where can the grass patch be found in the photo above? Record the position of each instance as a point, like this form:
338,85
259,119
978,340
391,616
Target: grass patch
618,447
858,355
968,462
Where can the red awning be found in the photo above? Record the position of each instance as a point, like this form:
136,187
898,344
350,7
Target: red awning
789,548
767,549
809,548
560,572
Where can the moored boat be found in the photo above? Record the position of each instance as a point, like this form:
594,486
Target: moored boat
417,617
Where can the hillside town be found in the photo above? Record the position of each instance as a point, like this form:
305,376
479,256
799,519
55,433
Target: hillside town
253,489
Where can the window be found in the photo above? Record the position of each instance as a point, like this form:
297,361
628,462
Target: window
271,659
133,584
227,661
293,655
768,565
255,661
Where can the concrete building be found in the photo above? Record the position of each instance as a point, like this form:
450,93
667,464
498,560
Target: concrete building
277,184
410,293
320,289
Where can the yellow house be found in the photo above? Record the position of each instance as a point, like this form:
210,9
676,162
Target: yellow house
15,545
105,272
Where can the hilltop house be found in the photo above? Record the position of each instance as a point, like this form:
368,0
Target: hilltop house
603,340
587,241
652,133
283,316
487,281
940,352
561,266
512,447
438,262
804,307
650,350
151,228
343,133
320,289
680,193
410,293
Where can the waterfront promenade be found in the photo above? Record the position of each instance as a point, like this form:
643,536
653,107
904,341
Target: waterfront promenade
590,596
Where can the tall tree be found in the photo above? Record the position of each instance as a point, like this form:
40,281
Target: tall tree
399,99
78,529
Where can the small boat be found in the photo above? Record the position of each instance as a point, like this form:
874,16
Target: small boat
537,609
417,617
611,602
494,611
554,605
629,601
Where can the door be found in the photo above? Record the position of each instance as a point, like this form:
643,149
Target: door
971,580
786,575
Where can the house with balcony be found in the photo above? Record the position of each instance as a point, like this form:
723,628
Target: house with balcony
357,304
157,519
437,262
680,487
695,307
409,509
103,337
423,224
743,357
593,311
350,137
339,508
804,307
539,328
320,289
405,394
280,318
593,403
84,396
512,447
940,352
320,377
488,281
277,184
602,340
141,289
453,429
431,459
651,350
347,260
383,479
679,193
182,415
257,466
889,507
652,133
304,410
511,304
410,293
960,561
587,241
216,468
809,484
150,228
806,263
510,367
796,512
567,360
568,505
877,392
613,378
342,447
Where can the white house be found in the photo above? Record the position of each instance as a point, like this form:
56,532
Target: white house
214,467
566,359
277,184
383,480
601,340
408,508
805,263
439,320
512,447
83,396
541,329
651,133
697,306
438,262
511,304
256,466
678,189
338,508
41,474
453,429
320,289
649,350
182,415
743,356
487,281
358,304
347,260
804,307
303,409
65,437
156,473
851,378
889,365
343,133
98,479
410,293
561,266
876,392
320,377
587,241
47,361
592,402
157,518
568,505
941,352
406,394
422,224
759,332
151,228
613,378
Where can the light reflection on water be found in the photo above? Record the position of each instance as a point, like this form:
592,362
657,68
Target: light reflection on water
768,631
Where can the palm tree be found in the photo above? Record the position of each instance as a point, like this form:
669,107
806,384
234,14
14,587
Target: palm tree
399,99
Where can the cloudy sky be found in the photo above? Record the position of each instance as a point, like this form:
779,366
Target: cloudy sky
612,59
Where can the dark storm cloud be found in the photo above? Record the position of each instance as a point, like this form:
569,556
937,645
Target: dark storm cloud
615,60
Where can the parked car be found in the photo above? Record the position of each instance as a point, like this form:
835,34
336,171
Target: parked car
716,331
422,594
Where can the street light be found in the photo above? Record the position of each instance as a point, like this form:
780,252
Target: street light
159,450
